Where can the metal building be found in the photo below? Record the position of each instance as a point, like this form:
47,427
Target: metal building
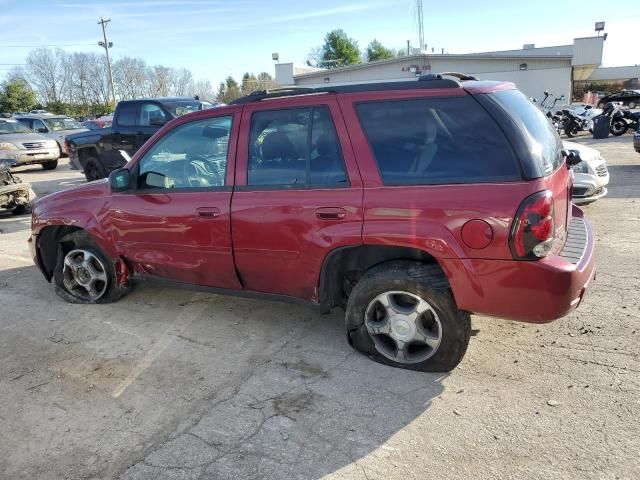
532,69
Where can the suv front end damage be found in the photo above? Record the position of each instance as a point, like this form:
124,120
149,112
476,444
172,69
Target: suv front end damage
14,195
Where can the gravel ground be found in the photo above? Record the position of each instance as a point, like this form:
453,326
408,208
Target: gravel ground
171,384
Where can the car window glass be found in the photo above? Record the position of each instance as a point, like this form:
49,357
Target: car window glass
436,141
127,114
38,124
151,114
193,155
297,146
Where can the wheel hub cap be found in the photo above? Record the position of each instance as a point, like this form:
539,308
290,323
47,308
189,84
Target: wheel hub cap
402,328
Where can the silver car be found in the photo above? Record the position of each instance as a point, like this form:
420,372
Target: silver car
56,127
590,176
19,143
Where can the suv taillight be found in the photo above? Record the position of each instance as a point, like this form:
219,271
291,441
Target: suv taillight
533,228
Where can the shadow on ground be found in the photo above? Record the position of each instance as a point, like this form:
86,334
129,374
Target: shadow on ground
624,181
214,386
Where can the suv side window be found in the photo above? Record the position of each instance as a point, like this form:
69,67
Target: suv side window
39,126
296,146
436,141
151,114
127,114
193,155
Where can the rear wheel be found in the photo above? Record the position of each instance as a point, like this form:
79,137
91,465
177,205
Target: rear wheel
52,165
93,169
618,127
402,313
83,274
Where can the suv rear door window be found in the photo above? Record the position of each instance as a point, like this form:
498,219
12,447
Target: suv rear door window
297,146
436,141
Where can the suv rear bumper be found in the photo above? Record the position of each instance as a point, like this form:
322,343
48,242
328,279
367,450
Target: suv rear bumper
528,291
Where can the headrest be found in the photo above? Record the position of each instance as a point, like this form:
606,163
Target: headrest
277,145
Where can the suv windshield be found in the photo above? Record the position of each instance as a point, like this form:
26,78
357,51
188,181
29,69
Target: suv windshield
182,107
544,143
56,124
12,126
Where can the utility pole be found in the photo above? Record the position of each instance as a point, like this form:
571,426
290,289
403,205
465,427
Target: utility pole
420,24
107,45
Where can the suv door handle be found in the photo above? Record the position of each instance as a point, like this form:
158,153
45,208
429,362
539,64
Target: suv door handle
208,211
331,213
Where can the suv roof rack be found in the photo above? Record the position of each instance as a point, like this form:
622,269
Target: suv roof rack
424,82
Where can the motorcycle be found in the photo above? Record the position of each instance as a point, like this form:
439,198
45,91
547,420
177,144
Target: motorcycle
624,120
578,119
14,195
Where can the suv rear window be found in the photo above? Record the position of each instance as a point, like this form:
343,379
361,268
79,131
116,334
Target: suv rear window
544,143
436,141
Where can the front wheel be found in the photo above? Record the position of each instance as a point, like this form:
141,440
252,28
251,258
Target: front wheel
52,165
569,130
83,274
403,314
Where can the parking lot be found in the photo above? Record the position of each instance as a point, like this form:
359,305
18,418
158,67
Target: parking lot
175,384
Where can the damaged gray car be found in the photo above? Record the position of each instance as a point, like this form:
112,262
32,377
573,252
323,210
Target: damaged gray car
14,195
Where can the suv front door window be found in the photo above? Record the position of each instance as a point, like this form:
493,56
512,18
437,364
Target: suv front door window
176,222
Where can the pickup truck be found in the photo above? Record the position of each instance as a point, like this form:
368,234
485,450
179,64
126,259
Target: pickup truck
98,152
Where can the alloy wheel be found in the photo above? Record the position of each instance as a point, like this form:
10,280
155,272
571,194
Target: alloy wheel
404,327
84,275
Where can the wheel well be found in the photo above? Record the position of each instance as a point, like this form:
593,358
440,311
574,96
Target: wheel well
343,267
48,240
85,153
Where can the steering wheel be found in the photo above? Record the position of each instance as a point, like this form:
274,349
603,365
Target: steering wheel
197,174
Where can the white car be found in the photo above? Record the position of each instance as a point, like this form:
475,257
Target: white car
590,176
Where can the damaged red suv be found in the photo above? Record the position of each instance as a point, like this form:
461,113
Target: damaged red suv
410,204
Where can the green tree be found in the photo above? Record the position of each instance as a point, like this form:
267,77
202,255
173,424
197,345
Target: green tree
339,50
376,51
231,90
16,95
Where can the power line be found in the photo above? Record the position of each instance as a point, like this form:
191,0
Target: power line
48,45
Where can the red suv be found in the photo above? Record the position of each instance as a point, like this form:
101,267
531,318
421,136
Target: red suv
410,204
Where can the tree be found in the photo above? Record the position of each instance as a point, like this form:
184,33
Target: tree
376,51
16,96
339,50
230,92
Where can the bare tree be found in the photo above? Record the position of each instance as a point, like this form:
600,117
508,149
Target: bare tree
46,73
182,84
204,90
130,76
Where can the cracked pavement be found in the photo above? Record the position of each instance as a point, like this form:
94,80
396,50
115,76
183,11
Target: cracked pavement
172,384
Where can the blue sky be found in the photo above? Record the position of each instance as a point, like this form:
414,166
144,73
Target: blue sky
215,38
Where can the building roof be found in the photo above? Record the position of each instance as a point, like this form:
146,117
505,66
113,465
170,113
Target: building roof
556,51
545,53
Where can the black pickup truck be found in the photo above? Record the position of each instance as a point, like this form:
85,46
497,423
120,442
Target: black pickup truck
97,152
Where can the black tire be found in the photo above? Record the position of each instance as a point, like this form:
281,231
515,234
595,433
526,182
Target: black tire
51,165
569,131
94,170
426,281
618,128
81,241
22,210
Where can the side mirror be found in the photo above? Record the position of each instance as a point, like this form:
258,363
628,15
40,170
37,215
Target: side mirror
120,180
43,130
573,157
546,92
